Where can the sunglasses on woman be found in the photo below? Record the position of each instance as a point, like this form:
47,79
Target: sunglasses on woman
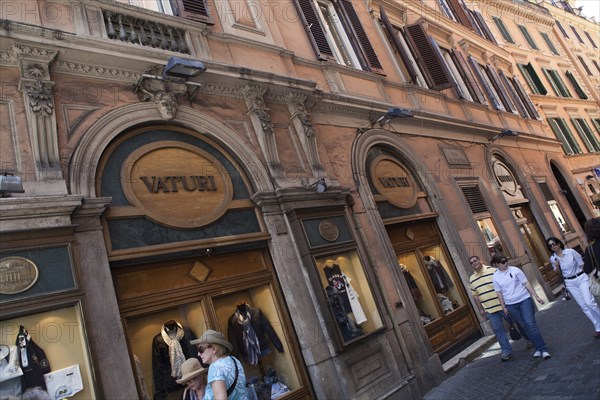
202,349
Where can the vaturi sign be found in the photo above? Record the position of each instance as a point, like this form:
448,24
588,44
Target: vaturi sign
393,182
176,184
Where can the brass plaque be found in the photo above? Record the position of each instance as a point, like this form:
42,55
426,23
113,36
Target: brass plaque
394,182
177,184
329,231
17,274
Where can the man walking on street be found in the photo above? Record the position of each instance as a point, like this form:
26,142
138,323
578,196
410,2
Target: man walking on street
485,296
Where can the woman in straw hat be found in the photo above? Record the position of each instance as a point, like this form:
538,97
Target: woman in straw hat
226,378
194,377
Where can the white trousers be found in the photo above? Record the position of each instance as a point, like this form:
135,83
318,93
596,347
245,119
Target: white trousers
580,291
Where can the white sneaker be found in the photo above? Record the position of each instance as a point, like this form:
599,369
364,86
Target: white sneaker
545,355
538,354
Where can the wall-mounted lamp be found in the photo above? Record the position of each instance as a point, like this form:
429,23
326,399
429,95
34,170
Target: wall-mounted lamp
392,113
183,68
9,183
320,186
504,133
172,78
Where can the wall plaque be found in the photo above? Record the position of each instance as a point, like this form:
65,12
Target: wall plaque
455,157
329,230
17,274
505,178
394,182
176,184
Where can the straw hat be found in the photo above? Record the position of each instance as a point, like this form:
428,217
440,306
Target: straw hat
190,369
213,337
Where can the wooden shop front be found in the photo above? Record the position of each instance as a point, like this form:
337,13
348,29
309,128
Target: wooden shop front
188,252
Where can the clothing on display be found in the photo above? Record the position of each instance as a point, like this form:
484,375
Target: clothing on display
170,348
439,277
10,372
347,326
335,278
32,359
249,331
412,284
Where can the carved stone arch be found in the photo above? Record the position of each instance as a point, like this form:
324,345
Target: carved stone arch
85,158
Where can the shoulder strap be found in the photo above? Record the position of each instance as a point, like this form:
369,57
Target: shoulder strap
232,387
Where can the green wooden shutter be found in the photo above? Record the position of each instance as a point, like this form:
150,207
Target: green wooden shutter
503,31
525,98
578,89
528,37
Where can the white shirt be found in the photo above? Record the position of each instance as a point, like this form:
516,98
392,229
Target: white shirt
511,283
571,262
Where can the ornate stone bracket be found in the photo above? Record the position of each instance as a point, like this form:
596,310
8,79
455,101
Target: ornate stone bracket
37,88
263,126
304,129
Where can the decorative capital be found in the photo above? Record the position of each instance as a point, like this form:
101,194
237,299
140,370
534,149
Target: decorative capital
35,53
40,96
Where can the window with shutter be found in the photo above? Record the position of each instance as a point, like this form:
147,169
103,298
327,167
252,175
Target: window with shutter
546,191
557,83
578,89
560,27
500,90
429,57
563,133
587,69
503,31
549,43
487,85
596,65
336,34
596,122
397,41
525,98
556,212
590,140
467,74
483,26
576,34
458,9
528,37
474,198
516,100
194,9
590,39
532,78
460,87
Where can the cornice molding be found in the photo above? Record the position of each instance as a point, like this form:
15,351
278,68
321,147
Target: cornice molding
522,9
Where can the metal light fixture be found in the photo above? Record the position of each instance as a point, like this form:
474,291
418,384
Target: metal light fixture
183,68
9,183
504,133
320,186
392,113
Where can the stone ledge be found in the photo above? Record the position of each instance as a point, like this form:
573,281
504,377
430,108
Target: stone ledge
468,354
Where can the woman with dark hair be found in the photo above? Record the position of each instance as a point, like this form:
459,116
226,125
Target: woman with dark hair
592,232
576,281
515,293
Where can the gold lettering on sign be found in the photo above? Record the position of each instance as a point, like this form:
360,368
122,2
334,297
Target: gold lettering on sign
17,274
172,184
505,178
393,181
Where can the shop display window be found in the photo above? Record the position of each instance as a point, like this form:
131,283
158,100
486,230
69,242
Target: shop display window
432,286
54,347
492,238
559,217
270,362
350,298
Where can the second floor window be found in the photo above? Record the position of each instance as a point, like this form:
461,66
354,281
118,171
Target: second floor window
336,34
588,137
532,78
563,133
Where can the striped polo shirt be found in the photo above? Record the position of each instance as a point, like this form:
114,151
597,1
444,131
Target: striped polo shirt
482,285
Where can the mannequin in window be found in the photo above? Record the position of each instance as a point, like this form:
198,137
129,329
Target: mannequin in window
249,331
410,281
170,348
439,277
346,324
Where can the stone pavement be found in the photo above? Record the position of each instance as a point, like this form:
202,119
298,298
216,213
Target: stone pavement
573,372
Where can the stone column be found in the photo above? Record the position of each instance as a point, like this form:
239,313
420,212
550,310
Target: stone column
305,130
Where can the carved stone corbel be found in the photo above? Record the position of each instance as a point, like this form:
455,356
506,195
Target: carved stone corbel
37,89
304,129
263,126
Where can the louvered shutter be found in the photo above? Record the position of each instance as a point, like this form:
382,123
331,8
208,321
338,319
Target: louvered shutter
590,39
561,85
581,60
578,89
361,38
525,98
502,28
552,82
488,90
468,77
314,29
399,48
546,191
431,62
506,100
551,46
474,198
459,13
484,27
560,27
513,95
586,134
576,34
528,37
195,9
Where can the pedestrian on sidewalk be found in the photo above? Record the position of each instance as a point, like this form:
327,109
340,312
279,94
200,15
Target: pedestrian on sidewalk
482,288
576,280
592,232
515,293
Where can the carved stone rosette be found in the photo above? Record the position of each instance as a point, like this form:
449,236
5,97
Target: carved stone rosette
263,126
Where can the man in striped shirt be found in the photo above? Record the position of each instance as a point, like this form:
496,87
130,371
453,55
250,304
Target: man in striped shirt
488,304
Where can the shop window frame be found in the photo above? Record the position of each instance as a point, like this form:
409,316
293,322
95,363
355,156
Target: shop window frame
555,209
